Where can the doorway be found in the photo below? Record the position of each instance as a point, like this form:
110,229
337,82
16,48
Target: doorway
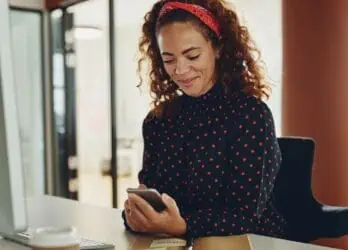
82,101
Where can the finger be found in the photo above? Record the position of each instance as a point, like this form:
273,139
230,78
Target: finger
170,203
139,222
129,222
142,186
127,207
139,219
126,203
133,225
130,203
143,206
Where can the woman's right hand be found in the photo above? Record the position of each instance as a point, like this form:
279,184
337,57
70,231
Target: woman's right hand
128,211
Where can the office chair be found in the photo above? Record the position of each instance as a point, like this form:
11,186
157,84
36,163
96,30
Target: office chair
307,218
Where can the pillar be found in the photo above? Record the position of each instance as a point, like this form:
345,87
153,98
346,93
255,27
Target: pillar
315,92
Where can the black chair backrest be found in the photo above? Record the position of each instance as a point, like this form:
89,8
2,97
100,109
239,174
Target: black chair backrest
293,198
292,191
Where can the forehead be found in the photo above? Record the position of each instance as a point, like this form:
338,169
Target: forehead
176,37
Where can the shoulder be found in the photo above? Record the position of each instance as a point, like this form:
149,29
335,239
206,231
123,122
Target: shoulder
150,122
252,109
166,111
172,108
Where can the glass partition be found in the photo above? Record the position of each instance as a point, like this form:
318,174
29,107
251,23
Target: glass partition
26,39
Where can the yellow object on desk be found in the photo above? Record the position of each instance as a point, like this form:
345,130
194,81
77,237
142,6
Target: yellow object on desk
240,242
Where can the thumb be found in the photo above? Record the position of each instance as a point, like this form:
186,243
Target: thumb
170,203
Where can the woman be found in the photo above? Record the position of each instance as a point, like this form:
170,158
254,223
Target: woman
210,144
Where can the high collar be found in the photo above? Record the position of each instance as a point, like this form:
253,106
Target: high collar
214,93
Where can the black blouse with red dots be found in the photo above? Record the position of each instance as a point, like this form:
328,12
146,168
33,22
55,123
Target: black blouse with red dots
218,158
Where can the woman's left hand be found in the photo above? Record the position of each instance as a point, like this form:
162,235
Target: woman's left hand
149,220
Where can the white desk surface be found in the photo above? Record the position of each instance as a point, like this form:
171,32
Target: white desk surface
106,225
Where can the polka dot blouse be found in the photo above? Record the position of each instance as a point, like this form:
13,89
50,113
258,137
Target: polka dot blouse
218,159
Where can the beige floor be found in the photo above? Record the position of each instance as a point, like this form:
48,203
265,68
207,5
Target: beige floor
97,190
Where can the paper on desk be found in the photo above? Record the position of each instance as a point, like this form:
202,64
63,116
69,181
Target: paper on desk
171,242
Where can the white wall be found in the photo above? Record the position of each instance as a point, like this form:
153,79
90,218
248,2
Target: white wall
132,105
93,112
93,102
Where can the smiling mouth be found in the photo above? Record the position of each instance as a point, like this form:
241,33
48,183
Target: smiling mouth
187,81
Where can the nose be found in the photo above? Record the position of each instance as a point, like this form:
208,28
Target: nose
181,67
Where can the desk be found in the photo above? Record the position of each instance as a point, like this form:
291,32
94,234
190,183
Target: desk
106,225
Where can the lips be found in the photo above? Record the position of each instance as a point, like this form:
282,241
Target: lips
187,82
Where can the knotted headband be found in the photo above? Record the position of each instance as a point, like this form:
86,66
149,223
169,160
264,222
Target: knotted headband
203,14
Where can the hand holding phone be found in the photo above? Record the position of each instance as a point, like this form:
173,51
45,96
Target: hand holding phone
169,222
152,196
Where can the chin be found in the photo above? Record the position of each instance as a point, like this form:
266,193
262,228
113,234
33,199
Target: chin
195,90
192,93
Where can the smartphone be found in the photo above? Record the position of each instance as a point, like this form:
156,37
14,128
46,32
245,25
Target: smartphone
152,196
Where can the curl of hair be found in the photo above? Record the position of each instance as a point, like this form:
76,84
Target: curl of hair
239,67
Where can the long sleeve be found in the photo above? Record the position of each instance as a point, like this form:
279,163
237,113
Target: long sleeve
147,175
253,161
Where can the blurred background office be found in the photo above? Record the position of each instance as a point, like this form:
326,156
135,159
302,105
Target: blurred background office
81,112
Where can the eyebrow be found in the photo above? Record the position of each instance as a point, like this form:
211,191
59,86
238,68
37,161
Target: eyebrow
184,52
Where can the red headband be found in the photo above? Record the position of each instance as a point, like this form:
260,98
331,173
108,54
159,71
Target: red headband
203,14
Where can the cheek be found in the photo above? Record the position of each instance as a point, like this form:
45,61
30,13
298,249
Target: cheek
204,68
210,68
205,64
169,69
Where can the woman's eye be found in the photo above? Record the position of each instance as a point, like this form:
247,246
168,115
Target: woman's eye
193,57
168,61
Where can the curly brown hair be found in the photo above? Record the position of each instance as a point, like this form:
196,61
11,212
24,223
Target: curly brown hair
239,67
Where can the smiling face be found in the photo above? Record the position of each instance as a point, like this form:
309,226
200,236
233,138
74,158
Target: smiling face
188,57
